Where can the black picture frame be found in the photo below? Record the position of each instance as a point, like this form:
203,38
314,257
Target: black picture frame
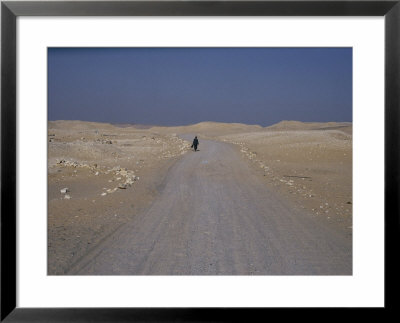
10,10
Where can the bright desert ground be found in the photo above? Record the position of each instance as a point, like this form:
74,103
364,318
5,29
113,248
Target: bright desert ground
111,173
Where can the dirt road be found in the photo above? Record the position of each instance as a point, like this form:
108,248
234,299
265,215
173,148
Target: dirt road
215,216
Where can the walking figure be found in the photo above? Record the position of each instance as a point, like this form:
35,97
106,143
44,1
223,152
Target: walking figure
195,143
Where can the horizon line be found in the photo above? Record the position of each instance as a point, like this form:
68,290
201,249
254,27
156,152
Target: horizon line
192,124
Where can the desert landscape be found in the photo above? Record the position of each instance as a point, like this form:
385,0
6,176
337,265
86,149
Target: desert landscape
106,183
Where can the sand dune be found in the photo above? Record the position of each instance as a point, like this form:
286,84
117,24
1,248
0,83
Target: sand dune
209,128
298,125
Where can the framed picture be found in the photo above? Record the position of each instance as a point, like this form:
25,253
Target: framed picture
343,54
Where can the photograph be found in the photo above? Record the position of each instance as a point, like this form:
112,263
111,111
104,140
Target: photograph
199,161
190,160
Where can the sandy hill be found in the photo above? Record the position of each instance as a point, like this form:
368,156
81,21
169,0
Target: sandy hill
206,128
133,125
77,125
209,128
298,125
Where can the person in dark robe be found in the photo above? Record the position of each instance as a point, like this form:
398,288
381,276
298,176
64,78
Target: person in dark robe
195,143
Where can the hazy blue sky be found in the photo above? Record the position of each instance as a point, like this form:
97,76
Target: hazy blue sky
177,86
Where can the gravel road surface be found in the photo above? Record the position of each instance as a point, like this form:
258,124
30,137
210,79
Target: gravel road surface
215,216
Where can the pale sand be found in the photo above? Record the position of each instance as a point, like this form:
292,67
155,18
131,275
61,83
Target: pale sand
308,164
311,166
97,207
